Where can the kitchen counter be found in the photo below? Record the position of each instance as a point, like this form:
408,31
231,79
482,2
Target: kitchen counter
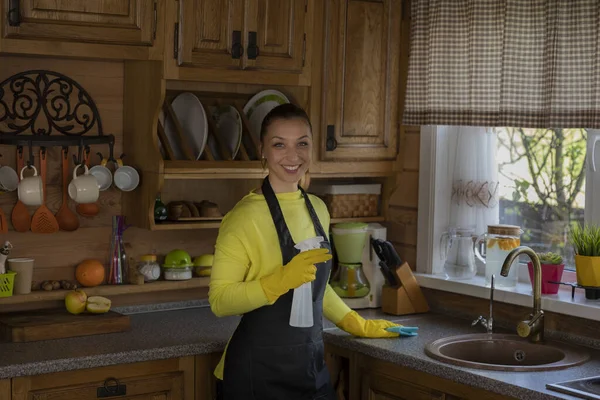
178,333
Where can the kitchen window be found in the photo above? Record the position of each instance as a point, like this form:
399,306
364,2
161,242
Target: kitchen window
562,192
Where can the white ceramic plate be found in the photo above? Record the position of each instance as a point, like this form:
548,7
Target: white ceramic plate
229,128
259,106
191,116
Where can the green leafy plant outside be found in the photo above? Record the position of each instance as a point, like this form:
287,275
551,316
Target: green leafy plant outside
550,258
585,240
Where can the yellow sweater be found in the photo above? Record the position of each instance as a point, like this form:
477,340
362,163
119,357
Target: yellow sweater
244,253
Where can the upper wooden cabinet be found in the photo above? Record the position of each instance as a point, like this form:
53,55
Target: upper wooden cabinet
259,41
361,79
105,29
126,22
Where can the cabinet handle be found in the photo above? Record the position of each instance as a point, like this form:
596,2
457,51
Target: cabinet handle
253,50
14,13
111,388
237,50
331,143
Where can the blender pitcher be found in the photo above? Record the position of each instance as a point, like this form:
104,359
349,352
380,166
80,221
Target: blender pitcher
499,241
456,247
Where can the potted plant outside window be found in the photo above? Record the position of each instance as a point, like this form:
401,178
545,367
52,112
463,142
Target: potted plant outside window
586,243
552,270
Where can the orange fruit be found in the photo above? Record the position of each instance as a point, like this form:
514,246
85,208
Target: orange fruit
90,273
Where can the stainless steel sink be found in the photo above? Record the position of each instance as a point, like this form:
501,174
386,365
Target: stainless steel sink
504,353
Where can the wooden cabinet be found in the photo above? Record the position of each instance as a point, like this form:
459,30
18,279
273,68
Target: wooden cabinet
105,29
357,376
382,387
5,389
126,22
152,380
238,40
361,79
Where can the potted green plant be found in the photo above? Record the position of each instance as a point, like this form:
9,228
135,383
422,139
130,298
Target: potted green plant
552,270
586,243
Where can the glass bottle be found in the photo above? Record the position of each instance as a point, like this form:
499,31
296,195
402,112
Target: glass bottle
160,210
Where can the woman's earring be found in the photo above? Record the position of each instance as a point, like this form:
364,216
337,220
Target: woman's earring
263,163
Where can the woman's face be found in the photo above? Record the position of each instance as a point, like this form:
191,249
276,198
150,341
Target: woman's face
287,148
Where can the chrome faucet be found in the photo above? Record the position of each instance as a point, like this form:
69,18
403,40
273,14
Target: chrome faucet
489,322
533,328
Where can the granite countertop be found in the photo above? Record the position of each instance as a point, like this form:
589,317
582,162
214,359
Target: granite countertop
192,331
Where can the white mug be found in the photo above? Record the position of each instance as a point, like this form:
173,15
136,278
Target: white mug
31,189
103,176
84,188
9,180
126,178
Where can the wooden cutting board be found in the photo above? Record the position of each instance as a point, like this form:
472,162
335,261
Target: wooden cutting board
58,324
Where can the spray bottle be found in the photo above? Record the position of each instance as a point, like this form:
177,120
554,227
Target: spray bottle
302,308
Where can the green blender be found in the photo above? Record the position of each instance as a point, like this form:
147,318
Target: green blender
349,239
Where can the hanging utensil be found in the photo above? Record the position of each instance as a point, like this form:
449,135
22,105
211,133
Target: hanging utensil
67,219
21,219
43,220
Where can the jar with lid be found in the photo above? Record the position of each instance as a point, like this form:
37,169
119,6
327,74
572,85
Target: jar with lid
499,241
149,267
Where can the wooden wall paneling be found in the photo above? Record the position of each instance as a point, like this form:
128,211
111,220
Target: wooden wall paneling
144,95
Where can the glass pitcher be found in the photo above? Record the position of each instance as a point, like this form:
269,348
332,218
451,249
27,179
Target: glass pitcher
350,281
456,247
499,241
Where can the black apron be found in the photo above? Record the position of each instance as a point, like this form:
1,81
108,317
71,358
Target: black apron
267,359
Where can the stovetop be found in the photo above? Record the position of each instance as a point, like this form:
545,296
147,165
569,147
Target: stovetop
586,388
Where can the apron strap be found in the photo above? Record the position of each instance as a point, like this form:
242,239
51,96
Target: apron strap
285,237
313,215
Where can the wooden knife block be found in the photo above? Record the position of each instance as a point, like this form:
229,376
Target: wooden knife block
407,297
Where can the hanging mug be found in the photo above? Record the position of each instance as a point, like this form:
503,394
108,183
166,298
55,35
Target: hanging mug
84,188
499,240
31,189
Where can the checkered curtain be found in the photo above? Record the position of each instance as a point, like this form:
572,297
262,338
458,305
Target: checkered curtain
526,63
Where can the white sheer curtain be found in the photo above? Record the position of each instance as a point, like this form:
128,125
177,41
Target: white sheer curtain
473,173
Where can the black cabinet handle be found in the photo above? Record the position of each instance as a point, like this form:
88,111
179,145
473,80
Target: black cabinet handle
331,143
237,50
111,388
253,50
14,13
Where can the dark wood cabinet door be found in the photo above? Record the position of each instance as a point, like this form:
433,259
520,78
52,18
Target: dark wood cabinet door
210,33
122,22
275,35
361,80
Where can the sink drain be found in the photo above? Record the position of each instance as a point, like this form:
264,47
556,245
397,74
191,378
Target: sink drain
519,355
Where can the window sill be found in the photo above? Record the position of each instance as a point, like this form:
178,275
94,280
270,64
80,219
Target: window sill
521,295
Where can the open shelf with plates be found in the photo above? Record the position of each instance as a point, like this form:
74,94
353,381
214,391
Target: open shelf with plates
213,171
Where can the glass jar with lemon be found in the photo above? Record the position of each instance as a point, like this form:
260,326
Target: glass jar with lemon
499,241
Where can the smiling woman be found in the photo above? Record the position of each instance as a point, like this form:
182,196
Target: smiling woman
257,268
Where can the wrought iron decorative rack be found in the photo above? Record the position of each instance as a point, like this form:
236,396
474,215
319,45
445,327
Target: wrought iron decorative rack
36,103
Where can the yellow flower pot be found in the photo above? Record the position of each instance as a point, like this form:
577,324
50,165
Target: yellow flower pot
588,270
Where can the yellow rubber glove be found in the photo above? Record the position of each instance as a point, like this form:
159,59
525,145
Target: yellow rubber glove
299,270
368,328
